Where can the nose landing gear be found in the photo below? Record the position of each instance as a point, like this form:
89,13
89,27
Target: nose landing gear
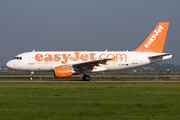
31,76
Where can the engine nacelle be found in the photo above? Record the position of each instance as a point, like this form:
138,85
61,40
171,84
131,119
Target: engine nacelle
63,72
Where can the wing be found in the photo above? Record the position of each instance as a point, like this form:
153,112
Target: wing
89,66
86,67
92,63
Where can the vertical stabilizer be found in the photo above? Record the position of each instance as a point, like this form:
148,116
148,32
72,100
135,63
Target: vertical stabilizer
155,41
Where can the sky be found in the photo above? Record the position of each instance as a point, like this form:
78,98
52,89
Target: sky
85,25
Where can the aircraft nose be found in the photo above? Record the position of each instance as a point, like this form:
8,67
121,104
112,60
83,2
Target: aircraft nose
9,64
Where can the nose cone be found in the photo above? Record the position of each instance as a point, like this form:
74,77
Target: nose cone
9,64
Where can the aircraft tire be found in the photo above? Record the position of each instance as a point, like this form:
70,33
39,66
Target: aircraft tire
86,78
31,78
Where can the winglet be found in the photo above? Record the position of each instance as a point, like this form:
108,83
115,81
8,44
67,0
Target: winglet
155,41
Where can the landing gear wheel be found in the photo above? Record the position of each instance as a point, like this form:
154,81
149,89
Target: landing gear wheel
31,78
86,77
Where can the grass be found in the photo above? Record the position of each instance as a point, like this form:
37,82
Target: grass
89,101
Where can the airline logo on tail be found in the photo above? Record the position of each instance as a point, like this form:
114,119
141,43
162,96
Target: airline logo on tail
154,36
155,41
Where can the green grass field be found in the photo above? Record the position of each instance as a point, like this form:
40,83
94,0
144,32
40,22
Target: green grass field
89,101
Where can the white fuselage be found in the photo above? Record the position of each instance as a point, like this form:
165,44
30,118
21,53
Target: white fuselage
47,61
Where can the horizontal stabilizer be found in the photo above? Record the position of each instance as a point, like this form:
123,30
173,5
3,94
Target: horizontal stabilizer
156,56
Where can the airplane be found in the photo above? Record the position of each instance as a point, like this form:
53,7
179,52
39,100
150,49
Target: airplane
67,63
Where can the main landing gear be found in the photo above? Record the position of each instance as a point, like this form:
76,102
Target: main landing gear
86,77
31,76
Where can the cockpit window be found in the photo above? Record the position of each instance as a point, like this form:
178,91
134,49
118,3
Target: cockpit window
18,58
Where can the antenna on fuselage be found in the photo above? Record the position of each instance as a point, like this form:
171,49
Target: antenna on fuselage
106,50
33,50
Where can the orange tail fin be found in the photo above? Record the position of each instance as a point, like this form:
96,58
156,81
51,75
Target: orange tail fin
155,41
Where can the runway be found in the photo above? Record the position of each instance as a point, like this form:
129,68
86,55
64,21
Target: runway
114,81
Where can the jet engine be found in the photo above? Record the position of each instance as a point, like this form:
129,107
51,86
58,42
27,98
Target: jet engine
63,72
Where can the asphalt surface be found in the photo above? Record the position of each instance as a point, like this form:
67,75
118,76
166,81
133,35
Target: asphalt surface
114,81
